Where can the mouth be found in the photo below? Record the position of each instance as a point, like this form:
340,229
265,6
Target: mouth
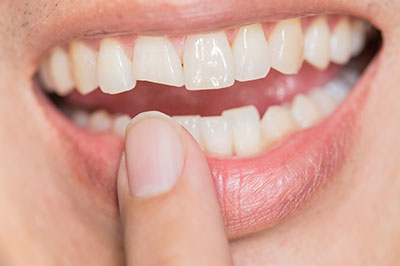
273,105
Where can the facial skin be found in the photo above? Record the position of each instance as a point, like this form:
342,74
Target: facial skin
49,218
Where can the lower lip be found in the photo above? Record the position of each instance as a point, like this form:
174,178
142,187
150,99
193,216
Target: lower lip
254,193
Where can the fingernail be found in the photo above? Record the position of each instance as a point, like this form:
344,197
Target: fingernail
154,154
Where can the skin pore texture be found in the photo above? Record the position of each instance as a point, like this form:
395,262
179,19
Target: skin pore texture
54,220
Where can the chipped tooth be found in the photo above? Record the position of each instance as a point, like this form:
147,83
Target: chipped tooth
156,60
316,43
338,89
60,71
286,42
100,121
84,61
208,62
217,135
45,75
114,69
192,125
326,103
340,43
276,123
305,111
119,124
246,129
251,53
358,37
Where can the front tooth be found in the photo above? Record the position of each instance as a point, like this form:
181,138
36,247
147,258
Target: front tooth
217,135
119,124
326,103
84,71
156,60
358,37
100,121
305,111
276,123
341,42
191,124
208,62
246,129
251,53
286,42
114,69
316,43
60,71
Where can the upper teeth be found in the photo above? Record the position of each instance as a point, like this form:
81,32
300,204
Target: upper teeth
208,60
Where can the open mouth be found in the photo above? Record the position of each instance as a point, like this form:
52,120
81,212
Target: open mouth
273,105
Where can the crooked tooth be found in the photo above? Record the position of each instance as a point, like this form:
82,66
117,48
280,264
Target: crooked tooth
246,129
45,75
84,61
119,125
358,37
208,62
326,103
114,69
192,125
156,60
276,123
286,42
251,53
305,111
341,42
217,135
316,43
100,121
60,71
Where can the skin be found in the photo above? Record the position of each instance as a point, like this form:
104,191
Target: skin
49,218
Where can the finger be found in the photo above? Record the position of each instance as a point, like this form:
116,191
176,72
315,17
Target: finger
168,205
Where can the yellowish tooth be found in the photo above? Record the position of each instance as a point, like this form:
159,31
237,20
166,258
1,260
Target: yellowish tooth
286,42
217,135
114,69
305,111
341,42
192,125
326,103
316,43
156,60
119,124
60,71
84,61
251,53
208,62
358,37
100,121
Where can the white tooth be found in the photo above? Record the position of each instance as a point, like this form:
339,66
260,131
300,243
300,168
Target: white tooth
156,60
276,123
84,61
217,134
316,43
246,129
286,42
119,124
326,103
351,76
305,111
358,37
44,74
208,62
60,71
341,42
251,53
114,69
80,118
100,121
191,124
338,89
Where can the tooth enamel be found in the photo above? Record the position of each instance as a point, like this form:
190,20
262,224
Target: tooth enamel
338,89
80,118
60,71
44,74
217,135
246,129
192,125
208,62
286,43
341,42
83,61
316,43
119,125
114,69
100,121
326,103
156,60
305,111
276,123
358,37
251,53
